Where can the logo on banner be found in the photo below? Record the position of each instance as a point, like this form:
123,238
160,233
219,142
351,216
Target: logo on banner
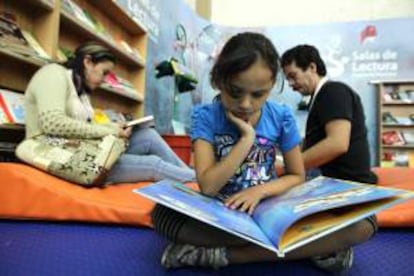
373,63
334,57
368,34
365,61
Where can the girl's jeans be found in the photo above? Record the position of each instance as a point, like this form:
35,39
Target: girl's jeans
149,158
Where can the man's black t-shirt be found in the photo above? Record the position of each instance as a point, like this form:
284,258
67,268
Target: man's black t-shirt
335,100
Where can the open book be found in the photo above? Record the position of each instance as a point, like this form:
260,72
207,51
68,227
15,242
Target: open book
144,121
283,223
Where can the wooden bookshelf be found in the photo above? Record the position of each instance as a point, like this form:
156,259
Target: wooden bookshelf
70,23
16,70
118,26
121,17
55,27
136,97
395,97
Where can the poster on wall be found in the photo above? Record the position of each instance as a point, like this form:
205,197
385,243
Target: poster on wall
354,52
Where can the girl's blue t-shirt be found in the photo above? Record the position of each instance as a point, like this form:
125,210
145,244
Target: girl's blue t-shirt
275,130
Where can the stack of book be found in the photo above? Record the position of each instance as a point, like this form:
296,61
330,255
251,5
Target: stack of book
17,41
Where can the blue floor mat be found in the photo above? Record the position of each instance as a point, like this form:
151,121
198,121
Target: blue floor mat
45,248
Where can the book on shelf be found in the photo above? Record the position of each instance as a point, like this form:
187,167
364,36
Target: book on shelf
405,96
399,96
408,137
399,158
12,104
100,117
114,116
32,41
283,223
119,85
389,119
10,32
74,9
11,36
129,49
105,116
66,5
3,117
392,137
7,146
410,95
404,120
411,159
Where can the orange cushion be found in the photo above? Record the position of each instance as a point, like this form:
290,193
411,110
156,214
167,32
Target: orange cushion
28,193
401,215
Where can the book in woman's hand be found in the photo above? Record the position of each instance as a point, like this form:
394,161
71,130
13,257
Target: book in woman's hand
144,121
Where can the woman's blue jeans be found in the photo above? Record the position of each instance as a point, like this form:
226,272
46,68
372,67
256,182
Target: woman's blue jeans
149,158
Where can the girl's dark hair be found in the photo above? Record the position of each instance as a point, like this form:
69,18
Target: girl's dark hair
96,52
239,53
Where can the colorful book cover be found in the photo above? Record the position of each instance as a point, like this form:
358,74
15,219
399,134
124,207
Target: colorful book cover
392,137
307,212
12,104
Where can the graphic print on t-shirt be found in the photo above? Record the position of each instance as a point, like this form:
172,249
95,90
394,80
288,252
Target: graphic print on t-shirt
256,169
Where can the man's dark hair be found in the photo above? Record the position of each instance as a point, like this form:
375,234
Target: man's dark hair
239,53
303,56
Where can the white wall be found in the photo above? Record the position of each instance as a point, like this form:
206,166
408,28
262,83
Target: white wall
191,3
257,13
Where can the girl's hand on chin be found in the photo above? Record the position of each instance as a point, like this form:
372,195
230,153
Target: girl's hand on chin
245,126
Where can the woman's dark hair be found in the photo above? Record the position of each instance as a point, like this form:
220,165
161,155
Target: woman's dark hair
303,56
96,52
239,53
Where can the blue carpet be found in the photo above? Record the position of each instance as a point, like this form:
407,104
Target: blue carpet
46,248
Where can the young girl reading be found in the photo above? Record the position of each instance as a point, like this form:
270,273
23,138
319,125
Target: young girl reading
235,141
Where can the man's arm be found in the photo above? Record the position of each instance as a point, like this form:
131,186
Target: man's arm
336,143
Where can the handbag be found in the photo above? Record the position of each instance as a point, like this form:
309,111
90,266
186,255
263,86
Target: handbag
83,161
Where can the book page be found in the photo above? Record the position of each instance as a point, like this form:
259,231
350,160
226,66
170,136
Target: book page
275,215
321,224
183,199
